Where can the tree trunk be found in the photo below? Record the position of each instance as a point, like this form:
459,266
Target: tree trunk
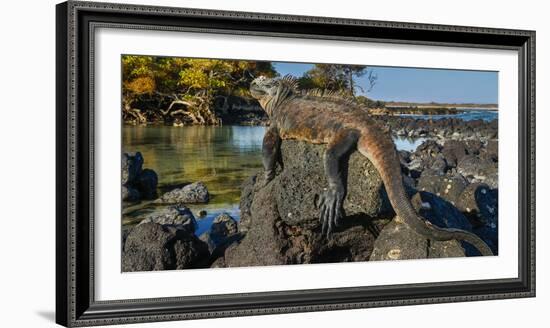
135,113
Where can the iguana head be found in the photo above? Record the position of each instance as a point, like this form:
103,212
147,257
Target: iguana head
263,87
270,92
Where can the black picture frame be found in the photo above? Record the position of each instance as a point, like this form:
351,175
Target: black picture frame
75,302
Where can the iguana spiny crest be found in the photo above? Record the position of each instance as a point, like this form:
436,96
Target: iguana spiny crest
276,90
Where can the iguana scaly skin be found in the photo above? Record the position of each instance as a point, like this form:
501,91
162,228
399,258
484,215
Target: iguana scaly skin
343,126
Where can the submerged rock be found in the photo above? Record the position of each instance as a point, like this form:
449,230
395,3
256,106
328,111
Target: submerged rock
131,167
147,184
137,183
190,194
151,246
130,194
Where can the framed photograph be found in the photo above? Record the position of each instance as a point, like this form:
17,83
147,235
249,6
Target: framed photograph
214,163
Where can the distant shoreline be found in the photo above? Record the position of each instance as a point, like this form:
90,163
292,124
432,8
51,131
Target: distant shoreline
399,104
491,109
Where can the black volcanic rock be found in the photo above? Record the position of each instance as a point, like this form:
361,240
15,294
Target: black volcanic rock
151,246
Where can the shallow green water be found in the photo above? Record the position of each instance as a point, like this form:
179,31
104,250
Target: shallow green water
221,157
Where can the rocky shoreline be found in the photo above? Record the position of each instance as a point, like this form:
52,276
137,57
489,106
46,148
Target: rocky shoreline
449,128
452,178
166,240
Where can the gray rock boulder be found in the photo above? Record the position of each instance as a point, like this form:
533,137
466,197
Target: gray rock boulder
448,187
443,214
124,235
415,167
474,146
261,245
224,230
223,227
399,242
492,180
190,194
492,147
439,211
152,246
298,187
275,237
272,241
454,151
178,216
479,202
247,195
439,165
477,169
427,157
428,149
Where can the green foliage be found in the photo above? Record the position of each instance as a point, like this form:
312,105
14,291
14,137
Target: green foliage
138,76
152,84
333,77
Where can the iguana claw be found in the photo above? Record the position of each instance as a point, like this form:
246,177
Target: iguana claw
331,210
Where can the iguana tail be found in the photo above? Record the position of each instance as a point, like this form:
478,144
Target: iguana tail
380,150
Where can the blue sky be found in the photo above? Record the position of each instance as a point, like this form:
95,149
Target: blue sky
421,84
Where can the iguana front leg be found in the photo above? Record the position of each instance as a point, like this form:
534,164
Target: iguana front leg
332,200
270,153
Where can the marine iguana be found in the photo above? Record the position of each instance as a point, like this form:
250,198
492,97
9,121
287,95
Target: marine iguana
344,126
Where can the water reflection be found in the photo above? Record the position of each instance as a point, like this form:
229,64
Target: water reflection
247,138
221,157
408,144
